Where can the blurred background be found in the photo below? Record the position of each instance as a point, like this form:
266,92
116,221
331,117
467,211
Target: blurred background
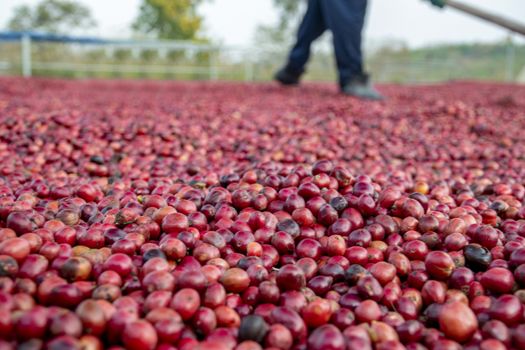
407,41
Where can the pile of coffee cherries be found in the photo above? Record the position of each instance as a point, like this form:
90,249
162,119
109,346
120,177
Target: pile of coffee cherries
242,217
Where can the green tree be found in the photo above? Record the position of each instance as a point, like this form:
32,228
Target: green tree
288,12
169,19
53,16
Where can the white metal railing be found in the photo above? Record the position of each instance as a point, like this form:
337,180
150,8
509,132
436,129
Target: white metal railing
247,61
26,56
161,47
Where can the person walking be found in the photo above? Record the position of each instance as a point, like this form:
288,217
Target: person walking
345,18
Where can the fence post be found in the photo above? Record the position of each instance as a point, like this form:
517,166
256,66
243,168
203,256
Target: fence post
248,69
248,66
214,72
509,62
26,55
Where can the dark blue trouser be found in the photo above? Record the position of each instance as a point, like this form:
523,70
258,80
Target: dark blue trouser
345,18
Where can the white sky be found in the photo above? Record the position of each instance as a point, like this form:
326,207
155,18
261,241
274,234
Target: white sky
233,22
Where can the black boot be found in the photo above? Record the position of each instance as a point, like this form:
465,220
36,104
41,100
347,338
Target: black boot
361,87
287,76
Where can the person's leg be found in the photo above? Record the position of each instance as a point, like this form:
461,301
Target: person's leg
311,28
345,18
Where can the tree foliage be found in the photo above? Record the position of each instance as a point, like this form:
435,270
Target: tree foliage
169,19
288,11
282,32
53,16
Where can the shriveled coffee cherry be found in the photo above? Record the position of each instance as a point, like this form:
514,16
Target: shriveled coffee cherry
354,273
76,269
153,253
254,328
478,258
8,266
